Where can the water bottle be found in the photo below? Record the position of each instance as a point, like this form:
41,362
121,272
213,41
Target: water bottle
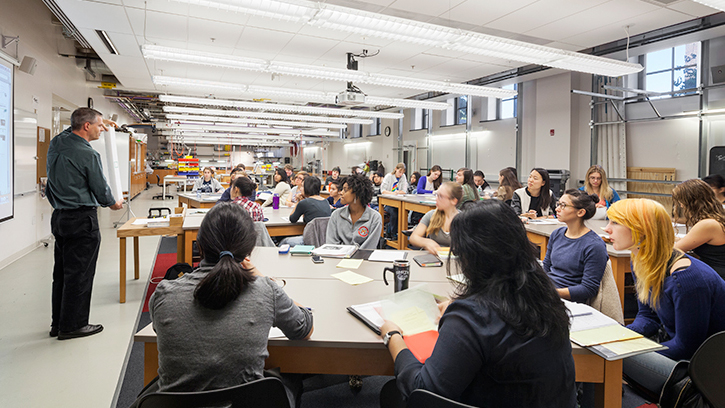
275,201
198,194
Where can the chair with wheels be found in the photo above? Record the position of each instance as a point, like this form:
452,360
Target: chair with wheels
707,369
162,195
266,392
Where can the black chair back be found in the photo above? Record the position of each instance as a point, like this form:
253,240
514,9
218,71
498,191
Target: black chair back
266,392
707,369
426,399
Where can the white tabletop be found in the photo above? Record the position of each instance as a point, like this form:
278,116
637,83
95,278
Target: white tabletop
274,218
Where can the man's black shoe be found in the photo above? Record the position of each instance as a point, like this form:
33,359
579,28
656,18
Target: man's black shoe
88,330
53,331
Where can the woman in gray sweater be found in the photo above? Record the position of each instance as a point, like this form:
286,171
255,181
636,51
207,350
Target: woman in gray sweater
356,223
212,324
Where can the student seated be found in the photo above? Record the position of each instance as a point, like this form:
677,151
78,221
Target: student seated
334,176
507,184
705,220
212,324
536,199
434,228
413,183
242,189
464,177
207,183
356,223
576,256
681,299
717,184
479,179
596,182
335,193
504,338
394,183
430,183
281,188
310,207
296,194
377,179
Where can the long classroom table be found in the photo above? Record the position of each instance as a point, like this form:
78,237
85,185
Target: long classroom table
404,203
207,200
342,344
277,224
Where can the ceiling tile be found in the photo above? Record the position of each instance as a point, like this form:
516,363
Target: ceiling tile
274,24
430,8
218,34
477,13
541,13
255,39
308,47
165,6
159,25
693,9
95,16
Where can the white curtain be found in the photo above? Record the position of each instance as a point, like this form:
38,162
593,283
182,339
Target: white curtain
612,139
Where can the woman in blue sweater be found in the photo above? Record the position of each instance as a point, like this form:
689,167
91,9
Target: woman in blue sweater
681,299
504,339
431,182
576,256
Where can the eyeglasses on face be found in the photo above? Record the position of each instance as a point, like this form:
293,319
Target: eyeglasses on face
563,205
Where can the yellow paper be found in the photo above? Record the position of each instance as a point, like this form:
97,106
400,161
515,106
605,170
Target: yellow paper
601,335
351,278
412,320
631,346
350,263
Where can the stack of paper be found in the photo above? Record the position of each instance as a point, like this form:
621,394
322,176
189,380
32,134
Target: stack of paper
604,336
335,251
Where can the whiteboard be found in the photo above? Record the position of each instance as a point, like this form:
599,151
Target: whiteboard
26,149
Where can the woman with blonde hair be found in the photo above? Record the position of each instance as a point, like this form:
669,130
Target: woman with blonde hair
681,299
434,229
695,202
596,182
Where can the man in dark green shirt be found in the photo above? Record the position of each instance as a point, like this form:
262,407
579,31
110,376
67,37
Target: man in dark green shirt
76,187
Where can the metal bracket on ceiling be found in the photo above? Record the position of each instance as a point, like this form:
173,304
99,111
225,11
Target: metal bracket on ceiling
7,40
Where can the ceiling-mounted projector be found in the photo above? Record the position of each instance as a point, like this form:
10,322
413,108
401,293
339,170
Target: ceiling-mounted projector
350,98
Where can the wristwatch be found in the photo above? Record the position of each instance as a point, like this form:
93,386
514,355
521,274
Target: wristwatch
388,335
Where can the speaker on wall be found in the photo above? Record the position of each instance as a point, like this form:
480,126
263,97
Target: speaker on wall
717,160
28,65
287,160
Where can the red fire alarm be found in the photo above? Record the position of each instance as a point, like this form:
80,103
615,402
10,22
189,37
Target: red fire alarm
551,132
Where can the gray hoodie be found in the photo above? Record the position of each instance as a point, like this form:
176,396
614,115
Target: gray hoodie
365,232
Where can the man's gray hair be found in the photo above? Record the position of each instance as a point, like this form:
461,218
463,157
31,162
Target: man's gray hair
82,115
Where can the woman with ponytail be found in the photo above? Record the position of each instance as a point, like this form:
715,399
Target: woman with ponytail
212,324
681,299
576,256
434,228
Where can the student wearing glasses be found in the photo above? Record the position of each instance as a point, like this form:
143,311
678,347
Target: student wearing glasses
504,338
434,229
596,182
576,256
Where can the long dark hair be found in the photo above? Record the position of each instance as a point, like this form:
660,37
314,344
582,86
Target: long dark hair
282,174
468,179
509,178
226,227
545,193
503,274
437,182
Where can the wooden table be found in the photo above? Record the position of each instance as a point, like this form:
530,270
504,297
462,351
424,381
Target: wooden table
276,225
135,231
341,344
206,201
404,203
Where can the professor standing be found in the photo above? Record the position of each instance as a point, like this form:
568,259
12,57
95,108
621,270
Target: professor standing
76,187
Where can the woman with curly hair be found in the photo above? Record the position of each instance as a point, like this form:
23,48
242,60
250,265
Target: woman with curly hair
356,223
704,216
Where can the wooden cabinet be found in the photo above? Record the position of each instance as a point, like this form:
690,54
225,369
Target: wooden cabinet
652,173
137,157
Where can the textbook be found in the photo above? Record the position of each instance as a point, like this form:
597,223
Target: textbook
603,336
335,251
302,250
428,260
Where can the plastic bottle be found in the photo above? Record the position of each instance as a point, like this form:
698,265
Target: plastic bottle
198,194
275,201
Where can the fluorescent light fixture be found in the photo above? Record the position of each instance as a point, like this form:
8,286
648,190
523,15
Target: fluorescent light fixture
352,143
264,115
199,119
275,107
333,17
236,142
251,129
294,94
106,40
318,72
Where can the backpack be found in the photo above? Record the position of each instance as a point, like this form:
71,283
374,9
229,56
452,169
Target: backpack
680,392
177,271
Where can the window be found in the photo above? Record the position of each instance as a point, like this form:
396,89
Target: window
420,119
375,127
509,106
673,69
356,131
461,110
